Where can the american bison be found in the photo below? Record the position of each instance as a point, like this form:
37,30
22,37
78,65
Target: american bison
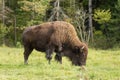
56,36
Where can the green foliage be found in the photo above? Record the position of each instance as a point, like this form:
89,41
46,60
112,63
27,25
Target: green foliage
108,27
18,45
3,32
98,33
7,35
118,4
31,12
102,16
106,41
38,6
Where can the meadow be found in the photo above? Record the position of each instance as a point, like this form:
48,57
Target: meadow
101,65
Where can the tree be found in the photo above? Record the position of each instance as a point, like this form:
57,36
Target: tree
106,25
80,20
34,10
57,12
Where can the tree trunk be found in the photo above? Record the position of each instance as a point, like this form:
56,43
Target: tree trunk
15,36
58,7
3,10
3,19
90,19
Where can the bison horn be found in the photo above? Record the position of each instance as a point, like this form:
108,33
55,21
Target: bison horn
82,48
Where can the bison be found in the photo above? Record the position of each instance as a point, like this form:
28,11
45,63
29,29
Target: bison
57,36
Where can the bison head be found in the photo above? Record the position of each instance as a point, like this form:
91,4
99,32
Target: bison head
80,55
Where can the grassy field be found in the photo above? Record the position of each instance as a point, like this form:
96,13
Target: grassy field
101,65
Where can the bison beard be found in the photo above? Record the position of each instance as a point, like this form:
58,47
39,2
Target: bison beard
57,36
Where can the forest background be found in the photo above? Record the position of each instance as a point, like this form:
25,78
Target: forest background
96,21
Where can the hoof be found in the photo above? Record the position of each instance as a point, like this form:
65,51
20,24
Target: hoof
58,58
26,63
48,57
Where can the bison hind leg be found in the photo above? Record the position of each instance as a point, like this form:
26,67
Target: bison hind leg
27,52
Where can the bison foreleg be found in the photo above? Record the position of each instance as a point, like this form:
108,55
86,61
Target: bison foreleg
58,57
49,54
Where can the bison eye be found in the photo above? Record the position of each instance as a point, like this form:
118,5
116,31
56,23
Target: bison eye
83,54
76,50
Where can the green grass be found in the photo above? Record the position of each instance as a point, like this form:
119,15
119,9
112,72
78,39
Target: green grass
101,65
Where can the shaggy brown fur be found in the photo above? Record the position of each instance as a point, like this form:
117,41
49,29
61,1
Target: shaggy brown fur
57,36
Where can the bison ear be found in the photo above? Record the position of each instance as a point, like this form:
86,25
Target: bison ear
82,48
